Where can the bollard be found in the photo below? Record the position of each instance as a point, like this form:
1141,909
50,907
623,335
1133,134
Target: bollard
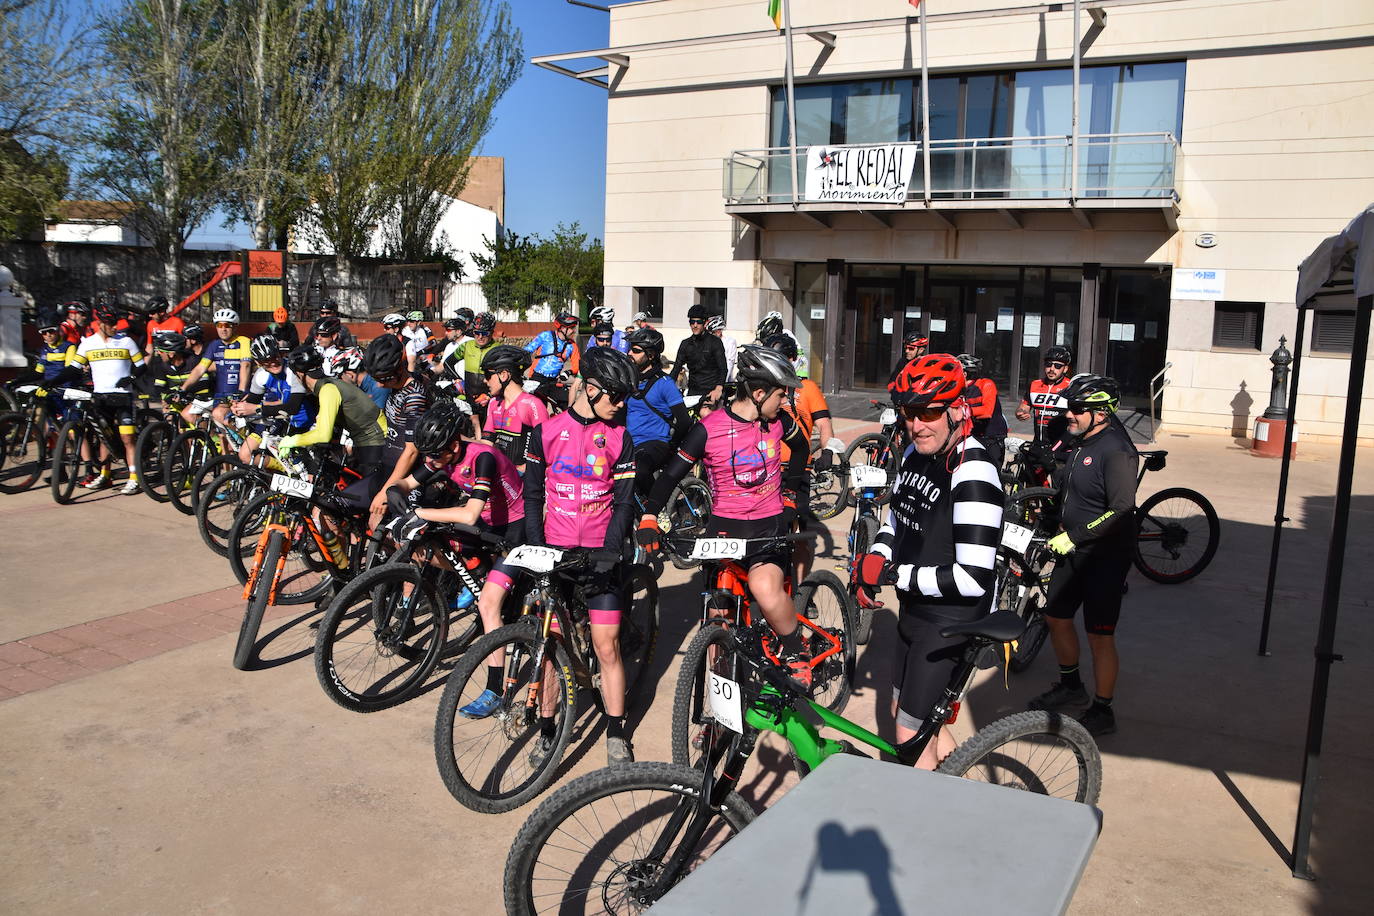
1269,428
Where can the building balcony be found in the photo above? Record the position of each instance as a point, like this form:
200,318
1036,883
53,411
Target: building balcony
1007,175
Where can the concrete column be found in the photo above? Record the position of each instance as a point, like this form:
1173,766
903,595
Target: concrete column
834,316
1086,357
11,323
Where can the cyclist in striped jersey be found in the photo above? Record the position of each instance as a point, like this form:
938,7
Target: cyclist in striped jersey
939,543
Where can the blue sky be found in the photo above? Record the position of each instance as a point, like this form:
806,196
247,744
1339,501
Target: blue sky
550,128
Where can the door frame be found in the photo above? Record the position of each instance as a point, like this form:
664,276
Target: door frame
849,327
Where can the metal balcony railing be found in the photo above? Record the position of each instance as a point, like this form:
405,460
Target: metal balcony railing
1133,165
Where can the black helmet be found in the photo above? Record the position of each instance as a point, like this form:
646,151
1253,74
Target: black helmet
441,425
760,364
783,344
169,341
329,306
603,330
565,320
915,337
697,313
464,314
770,325
76,305
327,325
1093,392
455,324
484,323
506,357
106,314
264,347
1059,354
611,370
647,339
156,304
386,357
193,332
304,359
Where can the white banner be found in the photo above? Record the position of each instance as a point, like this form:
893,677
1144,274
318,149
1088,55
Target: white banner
875,174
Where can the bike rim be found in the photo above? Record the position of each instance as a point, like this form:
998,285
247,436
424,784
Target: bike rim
378,657
1041,763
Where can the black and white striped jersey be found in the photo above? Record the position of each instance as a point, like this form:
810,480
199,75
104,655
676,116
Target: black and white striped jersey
943,526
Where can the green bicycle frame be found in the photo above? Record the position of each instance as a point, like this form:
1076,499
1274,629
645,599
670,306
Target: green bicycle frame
802,734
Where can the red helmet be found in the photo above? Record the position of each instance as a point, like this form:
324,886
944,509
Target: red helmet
934,380
565,320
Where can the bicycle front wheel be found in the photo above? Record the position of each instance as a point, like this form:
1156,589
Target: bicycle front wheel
638,630
308,573
1042,752
600,843
23,451
67,461
382,637
210,470
224,497
257,600
875,450
686,515
694,730
823,603
185,456
1177,535
150,453
497,762
862,536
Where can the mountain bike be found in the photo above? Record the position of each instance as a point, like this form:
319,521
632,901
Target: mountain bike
81,428
26,437
192,449
155,441
867,483
547,654
882,449
233,488
618,839
385,632
823,612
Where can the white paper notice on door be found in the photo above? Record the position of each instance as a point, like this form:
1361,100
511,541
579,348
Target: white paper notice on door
1030,331
1005,319
989,326
913,313
1123,331
887,325
818,314
937,325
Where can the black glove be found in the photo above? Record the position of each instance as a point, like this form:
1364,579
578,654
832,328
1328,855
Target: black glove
604,561
824,461
125,384
408,527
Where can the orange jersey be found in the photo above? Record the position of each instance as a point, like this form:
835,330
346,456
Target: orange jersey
806,407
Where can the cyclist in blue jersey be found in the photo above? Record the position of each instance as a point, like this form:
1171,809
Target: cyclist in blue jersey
603,320
552,349
655,413
274,390
228,358
53,356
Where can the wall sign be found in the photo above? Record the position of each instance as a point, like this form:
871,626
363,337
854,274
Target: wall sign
1198,284
878,174
1205,240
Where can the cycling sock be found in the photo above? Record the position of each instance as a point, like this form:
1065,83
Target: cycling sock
1103,702
615,726
133,478
548,726
792,642
494,675
1068,676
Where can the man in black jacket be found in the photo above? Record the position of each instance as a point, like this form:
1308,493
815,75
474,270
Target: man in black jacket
703,356
1097,490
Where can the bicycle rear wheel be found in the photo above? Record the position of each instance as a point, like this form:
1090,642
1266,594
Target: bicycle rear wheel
829,492
150,453
1043,752
67,461
823,602
486,762
638,630
185,456
1177,535
224,497
589,847
23,451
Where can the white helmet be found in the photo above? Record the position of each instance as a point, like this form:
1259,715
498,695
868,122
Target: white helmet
715,323
225,316
393,320
641,316
602,313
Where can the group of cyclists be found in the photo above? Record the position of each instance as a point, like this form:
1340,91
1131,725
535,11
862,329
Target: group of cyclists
580,448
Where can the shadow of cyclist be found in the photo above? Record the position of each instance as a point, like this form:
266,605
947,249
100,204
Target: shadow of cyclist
862,851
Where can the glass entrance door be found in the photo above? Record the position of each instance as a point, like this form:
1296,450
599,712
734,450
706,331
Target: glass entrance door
994,314
871,318
946,304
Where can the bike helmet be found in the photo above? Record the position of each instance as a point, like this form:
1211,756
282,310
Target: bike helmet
392,320
47,324
156,304
455,324
914,337
930,381
765,365
506,357
769,326
1093,392
611,370
1059,354
565,320
604,331
329,307
328,325
193,332
79,307
225,316
640,316
440,426
106,315
386,358
602,314
304,359
484,323
715,323
972,364
415,315
280,315
265,347
349,359
783,344
647,339
697,313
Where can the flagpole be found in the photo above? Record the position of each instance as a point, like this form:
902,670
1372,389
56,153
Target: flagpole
791,97
1073,140
925,105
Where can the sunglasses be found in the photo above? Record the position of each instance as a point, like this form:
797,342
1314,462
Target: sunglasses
924,414
695,321
224,325
488,373
610,396
637,350
1080,407
603,340
1050,364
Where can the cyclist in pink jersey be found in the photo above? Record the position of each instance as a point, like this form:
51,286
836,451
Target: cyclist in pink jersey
579,493
752,494
512,412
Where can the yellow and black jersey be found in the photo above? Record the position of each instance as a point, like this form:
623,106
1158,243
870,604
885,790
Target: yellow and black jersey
109,359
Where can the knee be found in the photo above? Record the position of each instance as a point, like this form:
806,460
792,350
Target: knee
608,649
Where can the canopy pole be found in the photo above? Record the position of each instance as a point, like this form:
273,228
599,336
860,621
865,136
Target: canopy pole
925,108
790,75
1073,139
1331,593
1287,461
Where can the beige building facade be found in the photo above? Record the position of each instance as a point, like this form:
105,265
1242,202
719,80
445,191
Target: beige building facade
1158,237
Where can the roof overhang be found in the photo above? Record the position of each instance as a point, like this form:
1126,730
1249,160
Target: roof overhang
946,213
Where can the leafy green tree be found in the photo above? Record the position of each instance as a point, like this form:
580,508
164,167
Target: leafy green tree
566,271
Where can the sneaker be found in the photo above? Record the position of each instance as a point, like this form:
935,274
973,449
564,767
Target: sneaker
1060,695
543,747
619,751
799,667
130,488
96,482
486,703
1098,720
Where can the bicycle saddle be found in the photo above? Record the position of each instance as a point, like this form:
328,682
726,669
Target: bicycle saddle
1154,461
1003,626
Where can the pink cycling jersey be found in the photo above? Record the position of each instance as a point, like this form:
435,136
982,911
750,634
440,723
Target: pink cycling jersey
577,468
487,474
506,425
744,466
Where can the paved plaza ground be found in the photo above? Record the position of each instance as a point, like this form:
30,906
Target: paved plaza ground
141,773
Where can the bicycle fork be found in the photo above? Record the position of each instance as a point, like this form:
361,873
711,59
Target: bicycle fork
256,573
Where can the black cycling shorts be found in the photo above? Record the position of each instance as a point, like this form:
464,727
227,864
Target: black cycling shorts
605,600
650,457
1093,578
116,407
921,667
370,462
778,553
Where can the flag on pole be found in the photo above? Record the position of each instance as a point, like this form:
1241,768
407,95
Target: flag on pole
775,13
915,4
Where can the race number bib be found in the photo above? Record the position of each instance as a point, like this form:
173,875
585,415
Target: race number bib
723,698
1016,537
291,486
533,558
866,475
718,549
888,417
